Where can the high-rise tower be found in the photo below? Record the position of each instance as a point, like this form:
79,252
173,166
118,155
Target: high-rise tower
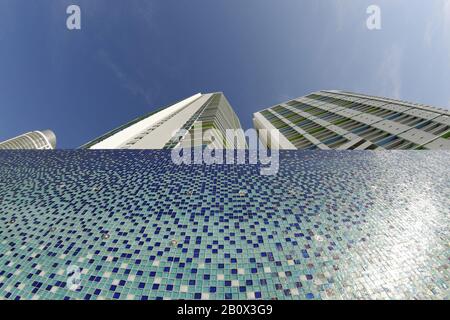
155,130
45,139
348,121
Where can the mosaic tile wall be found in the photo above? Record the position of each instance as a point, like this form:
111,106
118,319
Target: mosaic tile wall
133,225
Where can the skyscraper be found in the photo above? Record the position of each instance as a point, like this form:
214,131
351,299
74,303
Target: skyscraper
349,121
155,130
41,140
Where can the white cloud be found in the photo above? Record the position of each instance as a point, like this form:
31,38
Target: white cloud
125,80
348,14
340,7
389,73
438,24
429,31
445,27
446,11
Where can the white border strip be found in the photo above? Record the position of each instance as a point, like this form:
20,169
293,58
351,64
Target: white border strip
117,140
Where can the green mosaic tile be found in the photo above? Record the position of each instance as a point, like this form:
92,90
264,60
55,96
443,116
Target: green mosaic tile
329,225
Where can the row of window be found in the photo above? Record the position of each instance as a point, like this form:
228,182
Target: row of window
402,118
328,137
32,140
377,137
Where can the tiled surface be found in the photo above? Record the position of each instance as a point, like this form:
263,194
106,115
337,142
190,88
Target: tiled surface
330,225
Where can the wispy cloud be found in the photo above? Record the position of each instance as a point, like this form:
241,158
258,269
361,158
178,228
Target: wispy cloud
339,9
446,10
429,32
347,15
127,81
389,73
128,73
439,23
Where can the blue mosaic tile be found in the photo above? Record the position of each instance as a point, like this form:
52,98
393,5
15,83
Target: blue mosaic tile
133,225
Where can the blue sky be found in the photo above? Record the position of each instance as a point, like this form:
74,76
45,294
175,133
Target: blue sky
131,57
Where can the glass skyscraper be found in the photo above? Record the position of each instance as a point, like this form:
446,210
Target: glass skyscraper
348,121
156,130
